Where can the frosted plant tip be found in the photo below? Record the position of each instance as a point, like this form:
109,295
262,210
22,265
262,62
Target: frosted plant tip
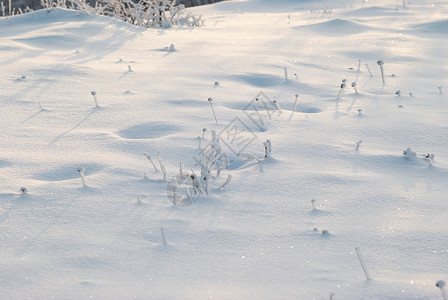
354,87
23,190
93,93
440,284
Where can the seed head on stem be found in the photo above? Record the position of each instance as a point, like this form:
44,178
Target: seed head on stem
441,285
81,174
94,98
354,87
381,63
295,103
210,100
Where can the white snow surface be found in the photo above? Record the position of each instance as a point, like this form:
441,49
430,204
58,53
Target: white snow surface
259,238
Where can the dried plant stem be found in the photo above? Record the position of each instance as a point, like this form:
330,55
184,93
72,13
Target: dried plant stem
363,264
163,231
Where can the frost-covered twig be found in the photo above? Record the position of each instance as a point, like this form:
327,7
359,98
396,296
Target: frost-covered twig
162,164
368,69
229,179
153,164
267,148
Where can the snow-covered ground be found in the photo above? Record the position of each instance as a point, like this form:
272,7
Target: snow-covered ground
259,238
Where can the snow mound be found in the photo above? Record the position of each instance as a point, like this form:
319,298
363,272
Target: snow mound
436,27
373,11
151,130
336,27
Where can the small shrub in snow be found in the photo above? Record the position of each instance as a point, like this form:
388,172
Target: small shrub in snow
325,232
359,111
23,190
398,93
358,144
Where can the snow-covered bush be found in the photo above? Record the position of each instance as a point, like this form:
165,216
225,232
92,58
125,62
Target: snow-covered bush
80,5
212,161
147,13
